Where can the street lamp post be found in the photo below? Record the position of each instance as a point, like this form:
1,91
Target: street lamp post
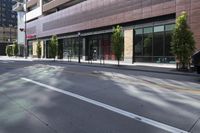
24,30
79,47
25,39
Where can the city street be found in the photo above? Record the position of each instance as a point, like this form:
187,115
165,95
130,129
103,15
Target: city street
64,97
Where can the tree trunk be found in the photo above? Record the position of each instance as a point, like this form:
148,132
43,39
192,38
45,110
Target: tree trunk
184,66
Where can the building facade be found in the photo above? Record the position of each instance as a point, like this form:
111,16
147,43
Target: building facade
8,24
26,10
147,26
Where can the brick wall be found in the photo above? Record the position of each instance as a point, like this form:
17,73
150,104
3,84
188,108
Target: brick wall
100,13
195,21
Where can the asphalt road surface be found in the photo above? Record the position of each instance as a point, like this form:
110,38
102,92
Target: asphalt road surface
52,97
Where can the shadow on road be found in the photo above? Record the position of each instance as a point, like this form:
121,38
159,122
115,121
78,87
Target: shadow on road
129,90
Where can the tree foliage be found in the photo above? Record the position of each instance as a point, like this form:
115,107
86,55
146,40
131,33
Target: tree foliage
118,43
183,43
15,49
9,50
39,49
54,47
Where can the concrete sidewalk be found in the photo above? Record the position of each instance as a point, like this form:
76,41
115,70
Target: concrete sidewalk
143,67
138,66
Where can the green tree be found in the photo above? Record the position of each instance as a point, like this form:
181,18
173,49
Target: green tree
54,47
118,42
15,49
183,43
39,49
9,50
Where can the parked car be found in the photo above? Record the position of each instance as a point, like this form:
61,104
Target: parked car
196,61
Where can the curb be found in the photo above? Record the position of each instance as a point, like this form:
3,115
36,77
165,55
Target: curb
126,67
121,67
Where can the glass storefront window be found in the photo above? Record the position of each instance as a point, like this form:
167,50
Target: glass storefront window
147,42
138,31
90,49
138,42
148,30
95,49
30,48
159,28
98,47
158,41
168,38
71,48
65,48
169,27
152,44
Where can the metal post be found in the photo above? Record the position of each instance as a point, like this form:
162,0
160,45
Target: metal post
79,48
25,43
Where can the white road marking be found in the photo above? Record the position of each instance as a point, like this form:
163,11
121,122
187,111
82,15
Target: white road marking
5,62
111,108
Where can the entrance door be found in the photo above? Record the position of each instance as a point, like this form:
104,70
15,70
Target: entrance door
30,49
106,49
60,48
94,53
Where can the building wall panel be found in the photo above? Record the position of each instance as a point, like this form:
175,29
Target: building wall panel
94,14
128,45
